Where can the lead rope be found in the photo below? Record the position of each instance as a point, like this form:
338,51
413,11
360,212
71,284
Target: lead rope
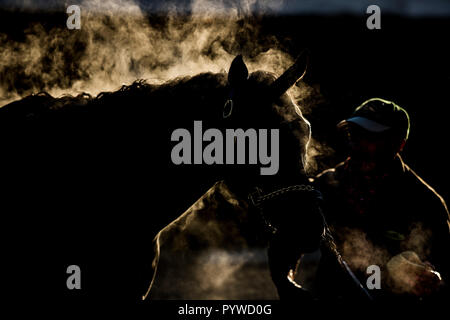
329,240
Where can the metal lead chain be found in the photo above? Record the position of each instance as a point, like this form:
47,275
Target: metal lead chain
257,199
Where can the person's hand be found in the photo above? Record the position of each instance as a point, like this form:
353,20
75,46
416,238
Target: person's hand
409,275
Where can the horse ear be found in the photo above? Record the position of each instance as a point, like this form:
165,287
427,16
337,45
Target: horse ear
238,72
292,75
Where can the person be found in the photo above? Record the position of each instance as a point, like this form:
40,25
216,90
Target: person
385,220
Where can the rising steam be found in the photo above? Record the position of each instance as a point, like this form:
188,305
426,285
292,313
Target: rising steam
119,43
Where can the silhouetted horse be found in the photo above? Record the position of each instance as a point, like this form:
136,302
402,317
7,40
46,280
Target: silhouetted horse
216,248
92,181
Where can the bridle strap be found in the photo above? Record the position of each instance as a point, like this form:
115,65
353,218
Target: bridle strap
257,198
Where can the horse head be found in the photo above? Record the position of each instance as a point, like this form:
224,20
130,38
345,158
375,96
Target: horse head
261,100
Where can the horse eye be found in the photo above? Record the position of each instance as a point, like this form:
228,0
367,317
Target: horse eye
227,108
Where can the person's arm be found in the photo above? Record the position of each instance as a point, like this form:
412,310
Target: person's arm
440,242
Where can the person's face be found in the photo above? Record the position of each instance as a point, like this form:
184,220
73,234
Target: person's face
369,149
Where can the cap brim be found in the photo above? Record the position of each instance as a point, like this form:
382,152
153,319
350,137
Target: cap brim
368,124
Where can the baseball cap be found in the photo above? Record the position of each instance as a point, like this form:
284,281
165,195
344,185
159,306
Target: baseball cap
379,115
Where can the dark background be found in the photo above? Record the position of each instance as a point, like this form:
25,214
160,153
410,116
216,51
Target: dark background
407,61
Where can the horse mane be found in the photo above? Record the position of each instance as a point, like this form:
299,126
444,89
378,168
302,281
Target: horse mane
202,86
43,101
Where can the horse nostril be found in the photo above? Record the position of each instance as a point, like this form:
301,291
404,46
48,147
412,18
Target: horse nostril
228,108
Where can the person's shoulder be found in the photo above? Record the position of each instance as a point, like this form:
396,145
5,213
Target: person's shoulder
422,187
